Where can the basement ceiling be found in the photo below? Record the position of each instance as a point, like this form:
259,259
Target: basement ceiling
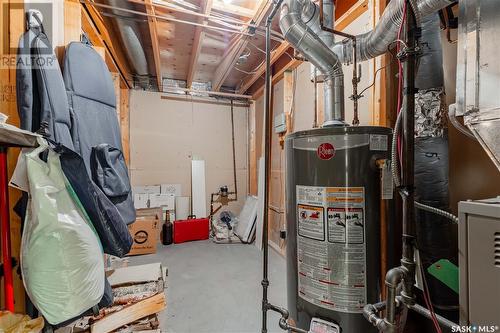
214,42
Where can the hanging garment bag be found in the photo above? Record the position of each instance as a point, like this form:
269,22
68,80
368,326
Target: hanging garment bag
112,230
95,130
40,91
61,257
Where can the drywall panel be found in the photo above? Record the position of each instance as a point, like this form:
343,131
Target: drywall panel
367,106
165,135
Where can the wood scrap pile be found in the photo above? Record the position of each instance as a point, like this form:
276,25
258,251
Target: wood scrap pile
139,296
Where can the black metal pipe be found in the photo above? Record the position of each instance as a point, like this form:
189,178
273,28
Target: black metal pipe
407,189
427,314
267,168
406,272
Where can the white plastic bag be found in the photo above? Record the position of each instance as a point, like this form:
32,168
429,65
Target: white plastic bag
61,257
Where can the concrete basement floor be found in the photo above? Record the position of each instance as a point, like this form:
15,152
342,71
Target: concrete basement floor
215,288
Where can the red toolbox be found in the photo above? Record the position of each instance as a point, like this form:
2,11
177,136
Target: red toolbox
191,229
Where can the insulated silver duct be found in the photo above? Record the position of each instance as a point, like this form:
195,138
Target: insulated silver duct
327,37
130,35
376,42
300,26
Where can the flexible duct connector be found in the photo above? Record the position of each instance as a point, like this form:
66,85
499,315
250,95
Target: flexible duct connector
376,42
130,35
302,36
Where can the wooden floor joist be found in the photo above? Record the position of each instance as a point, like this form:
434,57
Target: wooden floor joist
239,44
251,79
199,36
153,32
277,77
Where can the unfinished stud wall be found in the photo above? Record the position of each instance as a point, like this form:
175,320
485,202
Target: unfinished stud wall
166,134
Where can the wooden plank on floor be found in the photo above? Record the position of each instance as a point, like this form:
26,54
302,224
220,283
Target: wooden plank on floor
136,274
130,314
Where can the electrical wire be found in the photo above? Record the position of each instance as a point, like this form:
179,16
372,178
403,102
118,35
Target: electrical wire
437,211
374,79
428,300
243,71
400,77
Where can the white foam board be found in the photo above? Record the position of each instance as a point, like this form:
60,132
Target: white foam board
260,204
182,208
141,200
167,201
147,189
198,191
175,189
246,219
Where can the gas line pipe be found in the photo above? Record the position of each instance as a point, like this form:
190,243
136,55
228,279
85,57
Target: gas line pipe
266,306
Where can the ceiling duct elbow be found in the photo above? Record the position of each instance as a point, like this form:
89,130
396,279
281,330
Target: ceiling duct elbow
376,42
299,22
130,34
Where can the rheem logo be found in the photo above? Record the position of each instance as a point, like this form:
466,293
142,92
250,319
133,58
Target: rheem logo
325,151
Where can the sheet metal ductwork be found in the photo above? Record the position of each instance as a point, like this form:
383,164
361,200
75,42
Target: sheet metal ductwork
130,35
478,70
376,42
299,23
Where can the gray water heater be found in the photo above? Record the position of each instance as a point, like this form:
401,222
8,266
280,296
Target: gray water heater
333,224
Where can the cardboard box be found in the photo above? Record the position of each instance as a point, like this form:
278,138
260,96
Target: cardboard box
166,201
148,212
147,189
174,189
145,232
141,200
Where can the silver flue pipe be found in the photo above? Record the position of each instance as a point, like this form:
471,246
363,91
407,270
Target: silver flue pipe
299,23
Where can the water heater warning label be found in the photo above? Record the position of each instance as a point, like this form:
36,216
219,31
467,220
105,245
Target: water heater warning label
331,250
311,222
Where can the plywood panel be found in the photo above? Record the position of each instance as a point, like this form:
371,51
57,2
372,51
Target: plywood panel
124,123
72,21
165,135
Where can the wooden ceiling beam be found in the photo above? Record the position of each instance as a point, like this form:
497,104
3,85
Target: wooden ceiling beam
277,77
238,46
228,8
353,13
275,55
153,32
95,29
199,36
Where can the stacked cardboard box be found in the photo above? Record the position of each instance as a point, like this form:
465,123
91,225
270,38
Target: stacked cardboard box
145,231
